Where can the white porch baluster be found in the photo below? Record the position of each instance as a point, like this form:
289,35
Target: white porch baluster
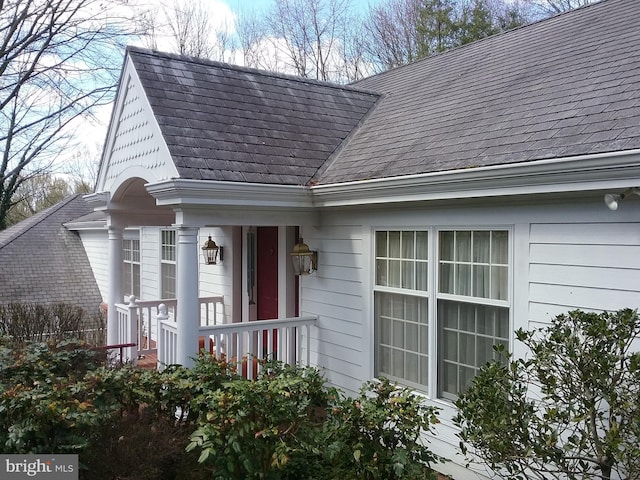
132,331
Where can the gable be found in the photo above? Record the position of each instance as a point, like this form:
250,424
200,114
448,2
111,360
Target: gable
134,147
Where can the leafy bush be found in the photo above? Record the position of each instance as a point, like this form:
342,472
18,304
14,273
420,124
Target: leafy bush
137,424
251,429
379,435
289,425
570,411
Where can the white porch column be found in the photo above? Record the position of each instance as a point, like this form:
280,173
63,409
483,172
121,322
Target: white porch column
188,308
115,283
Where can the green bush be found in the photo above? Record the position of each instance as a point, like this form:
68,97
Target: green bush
571,410
379,435
289,425
205,422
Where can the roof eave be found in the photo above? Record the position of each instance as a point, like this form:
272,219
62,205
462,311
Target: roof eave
185,192
560,175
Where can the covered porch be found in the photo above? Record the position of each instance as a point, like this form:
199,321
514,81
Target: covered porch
243,305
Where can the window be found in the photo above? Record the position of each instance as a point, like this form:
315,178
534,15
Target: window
131,267
401,306
473,312
466,315
168,264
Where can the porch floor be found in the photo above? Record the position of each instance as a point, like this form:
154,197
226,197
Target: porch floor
149,361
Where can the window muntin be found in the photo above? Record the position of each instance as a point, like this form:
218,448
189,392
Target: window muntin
402,259
471,305
402,306
168,264
403,338
467,333
131,267
474,263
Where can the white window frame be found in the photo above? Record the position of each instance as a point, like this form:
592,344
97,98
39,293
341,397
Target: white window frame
434,297
408,347
168,256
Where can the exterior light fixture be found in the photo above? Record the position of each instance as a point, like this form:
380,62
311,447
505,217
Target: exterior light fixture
212,253
612,200
305,261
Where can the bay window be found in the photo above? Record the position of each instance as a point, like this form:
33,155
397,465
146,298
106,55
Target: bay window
464,315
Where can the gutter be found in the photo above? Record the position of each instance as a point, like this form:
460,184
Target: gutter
611,170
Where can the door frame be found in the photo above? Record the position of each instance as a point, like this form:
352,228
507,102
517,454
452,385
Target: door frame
287,282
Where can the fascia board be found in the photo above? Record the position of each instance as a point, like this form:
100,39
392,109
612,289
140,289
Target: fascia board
86,226
111,129
183,192
571,174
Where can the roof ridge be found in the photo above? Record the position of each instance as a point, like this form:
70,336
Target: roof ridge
241,68
37,218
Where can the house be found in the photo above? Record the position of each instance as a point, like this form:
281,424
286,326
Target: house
450,202
43,262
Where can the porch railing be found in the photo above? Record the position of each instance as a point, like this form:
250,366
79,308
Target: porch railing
246,343
138,322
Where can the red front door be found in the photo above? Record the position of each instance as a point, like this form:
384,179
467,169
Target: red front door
267,273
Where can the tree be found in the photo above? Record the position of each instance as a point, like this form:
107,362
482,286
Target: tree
551,7
437,25
59,59
570,411
187,28
402,31
393,36
312,36
40,192
476,22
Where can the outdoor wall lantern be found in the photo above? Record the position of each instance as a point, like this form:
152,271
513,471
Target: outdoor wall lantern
612,200
212,253
305,261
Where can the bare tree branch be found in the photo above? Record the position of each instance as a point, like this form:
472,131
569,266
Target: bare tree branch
59,59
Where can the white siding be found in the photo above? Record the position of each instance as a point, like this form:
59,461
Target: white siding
566,254
591,266
96,245
335,294
218,279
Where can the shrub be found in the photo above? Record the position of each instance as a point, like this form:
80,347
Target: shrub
205,422
380,435
39,323
570,411
289,425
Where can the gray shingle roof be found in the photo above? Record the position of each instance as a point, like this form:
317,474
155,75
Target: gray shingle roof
223,122
568,85
43,262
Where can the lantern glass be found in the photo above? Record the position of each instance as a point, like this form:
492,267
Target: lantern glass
210,252
304,260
